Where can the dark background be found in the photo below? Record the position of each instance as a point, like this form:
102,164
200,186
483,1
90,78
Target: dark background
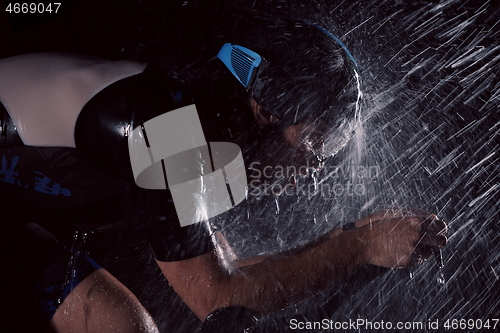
431,122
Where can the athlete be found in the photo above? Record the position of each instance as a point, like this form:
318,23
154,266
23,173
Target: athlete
66,120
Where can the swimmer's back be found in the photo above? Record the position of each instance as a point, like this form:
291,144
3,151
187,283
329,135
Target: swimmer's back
45,92
63,135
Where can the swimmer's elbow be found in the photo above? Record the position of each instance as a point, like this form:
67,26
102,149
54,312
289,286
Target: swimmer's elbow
201,282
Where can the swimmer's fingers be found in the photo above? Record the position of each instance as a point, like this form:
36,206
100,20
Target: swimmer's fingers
429,244
438,226
434,232
420,254
433,240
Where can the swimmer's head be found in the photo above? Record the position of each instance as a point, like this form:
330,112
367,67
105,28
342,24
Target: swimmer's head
300,79
304,71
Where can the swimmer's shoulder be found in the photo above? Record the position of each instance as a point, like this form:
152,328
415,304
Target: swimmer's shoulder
45,92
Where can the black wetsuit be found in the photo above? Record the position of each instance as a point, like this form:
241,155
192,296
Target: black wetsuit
65,189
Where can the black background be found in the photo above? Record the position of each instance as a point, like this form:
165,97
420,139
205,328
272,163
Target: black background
430,123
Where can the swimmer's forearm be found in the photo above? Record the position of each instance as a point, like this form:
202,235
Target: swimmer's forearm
269,285
240,263
286,280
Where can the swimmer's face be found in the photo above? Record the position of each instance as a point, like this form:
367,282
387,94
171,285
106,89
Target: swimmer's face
295,151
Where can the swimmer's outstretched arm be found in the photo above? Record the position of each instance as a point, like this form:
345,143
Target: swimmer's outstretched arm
392,239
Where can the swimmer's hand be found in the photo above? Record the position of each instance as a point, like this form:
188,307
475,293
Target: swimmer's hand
397,238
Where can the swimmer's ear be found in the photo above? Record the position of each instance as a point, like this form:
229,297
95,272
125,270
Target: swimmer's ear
262,117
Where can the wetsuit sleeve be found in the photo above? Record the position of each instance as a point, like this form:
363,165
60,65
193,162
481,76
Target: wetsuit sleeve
101,136
167,239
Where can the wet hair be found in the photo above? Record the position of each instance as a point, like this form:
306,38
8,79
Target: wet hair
310,75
